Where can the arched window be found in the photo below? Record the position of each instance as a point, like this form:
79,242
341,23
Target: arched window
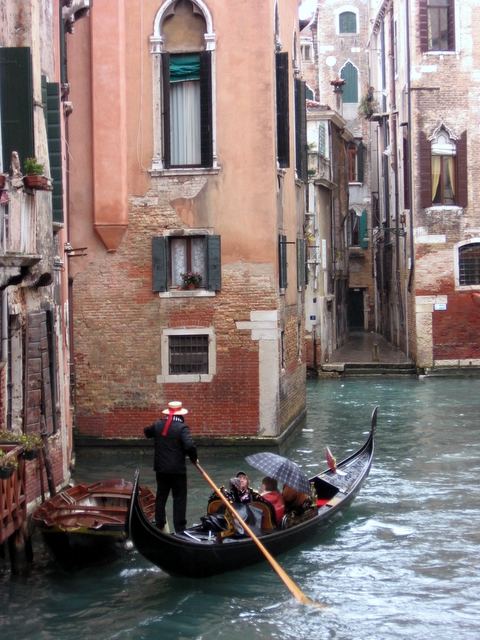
182,45
349,73
347,22
469,264
444,151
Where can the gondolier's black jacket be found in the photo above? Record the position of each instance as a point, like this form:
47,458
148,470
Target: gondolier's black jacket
171,449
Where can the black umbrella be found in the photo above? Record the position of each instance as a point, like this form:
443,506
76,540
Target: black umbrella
280,468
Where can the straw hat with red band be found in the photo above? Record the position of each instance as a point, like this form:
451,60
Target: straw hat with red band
175,408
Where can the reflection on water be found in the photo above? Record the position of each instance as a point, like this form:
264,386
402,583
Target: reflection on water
401,563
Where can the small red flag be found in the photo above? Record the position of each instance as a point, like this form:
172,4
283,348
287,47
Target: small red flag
332,463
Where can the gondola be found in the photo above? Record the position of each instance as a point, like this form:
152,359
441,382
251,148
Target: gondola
85,522
197,553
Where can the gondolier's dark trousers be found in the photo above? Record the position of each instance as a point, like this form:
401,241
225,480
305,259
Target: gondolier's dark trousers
177,484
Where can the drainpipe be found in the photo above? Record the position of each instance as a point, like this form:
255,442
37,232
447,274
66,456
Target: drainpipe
4,326
410,164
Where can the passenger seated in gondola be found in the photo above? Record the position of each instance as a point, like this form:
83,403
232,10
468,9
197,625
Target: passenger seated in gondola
271,493
240,490
295,501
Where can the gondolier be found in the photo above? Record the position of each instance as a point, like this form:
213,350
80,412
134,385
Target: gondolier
173,441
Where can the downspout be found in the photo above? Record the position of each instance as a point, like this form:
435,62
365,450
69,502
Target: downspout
4,326
410,165
410,151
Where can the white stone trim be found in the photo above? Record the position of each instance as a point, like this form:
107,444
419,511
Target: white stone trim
166,377
344,9
264,329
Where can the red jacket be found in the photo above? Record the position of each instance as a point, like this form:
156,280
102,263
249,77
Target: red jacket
276,499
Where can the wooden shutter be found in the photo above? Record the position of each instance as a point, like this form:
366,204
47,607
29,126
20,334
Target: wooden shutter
282,261
38,391
16,103
451,25
424,172
461,197
363,230
166,108
214,263
423,25
283,127
54,136
206,108
301,130
159,264
300,263
360,162
349,73
406,173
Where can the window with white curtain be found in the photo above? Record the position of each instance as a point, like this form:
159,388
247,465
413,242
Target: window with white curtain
444,152
187,255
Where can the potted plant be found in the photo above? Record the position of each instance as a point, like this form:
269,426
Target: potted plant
31,443
191,280
34,177
8,464
368,105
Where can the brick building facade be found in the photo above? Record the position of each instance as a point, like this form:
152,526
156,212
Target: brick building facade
427,74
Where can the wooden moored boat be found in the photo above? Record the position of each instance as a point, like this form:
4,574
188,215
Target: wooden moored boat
86,521
197,553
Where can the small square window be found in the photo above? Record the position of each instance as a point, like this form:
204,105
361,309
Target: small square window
188,355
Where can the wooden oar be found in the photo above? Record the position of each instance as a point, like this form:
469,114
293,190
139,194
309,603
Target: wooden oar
289,583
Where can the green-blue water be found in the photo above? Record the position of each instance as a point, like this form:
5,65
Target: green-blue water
402,563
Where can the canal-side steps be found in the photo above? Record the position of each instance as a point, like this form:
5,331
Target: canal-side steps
362,369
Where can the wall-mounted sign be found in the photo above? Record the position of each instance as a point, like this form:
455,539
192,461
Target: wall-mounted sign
440,306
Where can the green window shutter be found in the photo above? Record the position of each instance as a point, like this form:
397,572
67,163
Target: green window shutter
206,117
300,263
283,128
360,162
350,89
16,103
159,264
214,265
54,136
363,230
166,108
348,22
301,130
282,261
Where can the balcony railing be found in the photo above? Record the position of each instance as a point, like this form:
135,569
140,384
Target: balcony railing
13,502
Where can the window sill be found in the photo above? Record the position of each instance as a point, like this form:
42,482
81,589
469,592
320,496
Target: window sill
185,378
467,287
183,171
444,208
355,184
448,52
187,293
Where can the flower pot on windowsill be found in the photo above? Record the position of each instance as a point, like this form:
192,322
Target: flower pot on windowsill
39,183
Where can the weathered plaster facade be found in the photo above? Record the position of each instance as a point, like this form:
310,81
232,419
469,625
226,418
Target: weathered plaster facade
254,384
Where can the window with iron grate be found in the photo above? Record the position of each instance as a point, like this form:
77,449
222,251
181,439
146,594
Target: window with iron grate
188,354
469,264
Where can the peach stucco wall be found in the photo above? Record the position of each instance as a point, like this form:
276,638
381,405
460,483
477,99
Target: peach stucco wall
117,132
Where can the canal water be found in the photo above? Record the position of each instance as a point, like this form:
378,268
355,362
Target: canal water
403,562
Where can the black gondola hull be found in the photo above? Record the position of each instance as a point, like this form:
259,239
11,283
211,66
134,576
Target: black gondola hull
182,555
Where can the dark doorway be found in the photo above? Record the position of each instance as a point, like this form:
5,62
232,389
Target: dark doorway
355,309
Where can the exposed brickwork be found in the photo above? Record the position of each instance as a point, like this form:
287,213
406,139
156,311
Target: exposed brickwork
456,333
